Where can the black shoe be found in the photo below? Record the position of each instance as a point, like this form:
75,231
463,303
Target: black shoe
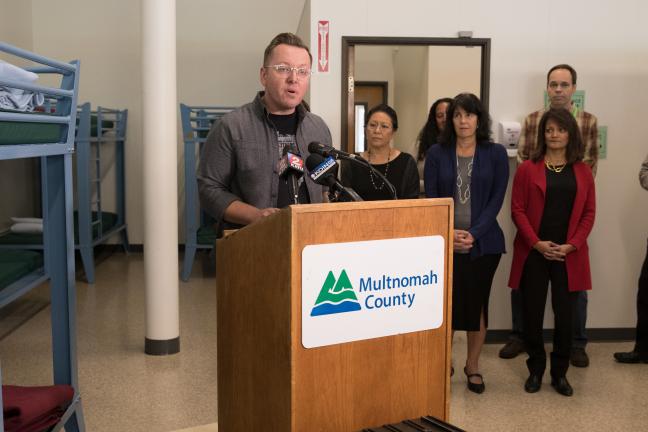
512,348
473,387
578,357
533,383
562,386
630,357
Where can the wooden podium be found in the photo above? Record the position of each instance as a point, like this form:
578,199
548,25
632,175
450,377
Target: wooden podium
267,381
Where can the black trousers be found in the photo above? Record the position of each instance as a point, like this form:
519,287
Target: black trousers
642,310
537,274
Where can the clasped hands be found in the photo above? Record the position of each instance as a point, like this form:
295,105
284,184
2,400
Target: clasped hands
463,240
553,251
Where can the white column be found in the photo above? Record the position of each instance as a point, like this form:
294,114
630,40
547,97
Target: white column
160,176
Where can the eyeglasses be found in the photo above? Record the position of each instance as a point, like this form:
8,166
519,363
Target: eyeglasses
378,126
285,70
563,85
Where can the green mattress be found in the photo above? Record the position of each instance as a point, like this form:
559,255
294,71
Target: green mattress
106,124
109,220
12,133
14,264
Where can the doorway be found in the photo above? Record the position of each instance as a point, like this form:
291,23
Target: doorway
417,70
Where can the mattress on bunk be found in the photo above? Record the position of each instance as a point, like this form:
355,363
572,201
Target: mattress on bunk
206,235
105,124
14,264
12,132
108,221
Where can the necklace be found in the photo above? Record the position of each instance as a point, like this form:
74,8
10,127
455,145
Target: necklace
555,168
464,195
371,177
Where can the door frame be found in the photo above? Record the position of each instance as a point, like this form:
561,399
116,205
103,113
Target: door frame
348,70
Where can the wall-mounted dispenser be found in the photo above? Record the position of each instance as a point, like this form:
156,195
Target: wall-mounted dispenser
509,133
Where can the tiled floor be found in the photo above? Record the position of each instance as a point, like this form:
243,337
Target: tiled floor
125,390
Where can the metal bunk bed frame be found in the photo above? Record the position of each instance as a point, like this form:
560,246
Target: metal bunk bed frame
88,153
58,234
196,123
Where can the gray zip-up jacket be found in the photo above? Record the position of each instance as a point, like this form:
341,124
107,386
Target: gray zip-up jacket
240,157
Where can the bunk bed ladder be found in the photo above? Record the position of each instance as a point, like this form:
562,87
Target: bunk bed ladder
120,175
95,181
84,190
91,136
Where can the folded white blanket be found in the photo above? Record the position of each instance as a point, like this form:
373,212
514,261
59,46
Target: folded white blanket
18,99
26,228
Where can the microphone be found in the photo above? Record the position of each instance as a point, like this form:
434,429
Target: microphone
326,151
291,166
324,171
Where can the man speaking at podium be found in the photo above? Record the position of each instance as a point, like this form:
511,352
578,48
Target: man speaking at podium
249,166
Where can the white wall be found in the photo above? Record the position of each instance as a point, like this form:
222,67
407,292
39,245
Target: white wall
606,43
16,25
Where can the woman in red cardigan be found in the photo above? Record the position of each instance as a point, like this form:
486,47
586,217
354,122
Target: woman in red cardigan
553,206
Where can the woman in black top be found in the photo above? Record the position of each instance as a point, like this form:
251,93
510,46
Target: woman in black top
381,123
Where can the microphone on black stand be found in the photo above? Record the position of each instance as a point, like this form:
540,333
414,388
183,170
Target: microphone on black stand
291,166
328,151
324,171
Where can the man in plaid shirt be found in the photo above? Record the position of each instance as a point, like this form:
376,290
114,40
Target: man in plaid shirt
561,85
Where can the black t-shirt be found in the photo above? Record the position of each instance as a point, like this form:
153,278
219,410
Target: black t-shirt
286,128
559,201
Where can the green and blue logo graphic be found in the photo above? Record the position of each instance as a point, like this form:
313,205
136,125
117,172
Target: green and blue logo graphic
336,296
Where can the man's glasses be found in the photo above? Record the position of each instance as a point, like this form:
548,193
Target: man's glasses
285,70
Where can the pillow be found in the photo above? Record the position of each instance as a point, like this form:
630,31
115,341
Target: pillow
27,220
26,228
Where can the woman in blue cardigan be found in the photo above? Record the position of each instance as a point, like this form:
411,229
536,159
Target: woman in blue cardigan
474,171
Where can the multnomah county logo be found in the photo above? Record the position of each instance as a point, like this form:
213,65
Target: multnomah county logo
336,296
369,289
